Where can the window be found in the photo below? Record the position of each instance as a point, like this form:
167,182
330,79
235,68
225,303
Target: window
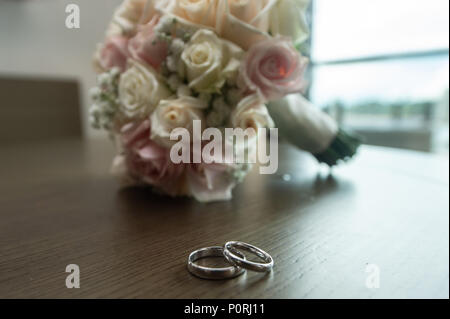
382,69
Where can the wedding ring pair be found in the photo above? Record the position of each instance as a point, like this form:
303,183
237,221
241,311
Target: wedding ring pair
238,261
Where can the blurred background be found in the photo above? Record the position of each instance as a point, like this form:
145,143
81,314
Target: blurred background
380,68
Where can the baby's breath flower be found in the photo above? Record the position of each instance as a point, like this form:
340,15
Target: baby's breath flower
95,93
115,72
103,78
174,82
105,97
172,63
165,25
177,47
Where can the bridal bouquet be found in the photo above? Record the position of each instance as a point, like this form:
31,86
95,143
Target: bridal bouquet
168,64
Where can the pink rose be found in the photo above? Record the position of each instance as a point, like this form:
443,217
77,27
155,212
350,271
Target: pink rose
273,68
211,182
148,162
114,53
143,160
147,47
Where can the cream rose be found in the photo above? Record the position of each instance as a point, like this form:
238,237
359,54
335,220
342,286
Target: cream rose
172,114
251,112
131,13
244,22
288,19
140,90
126,17
210,61
195,11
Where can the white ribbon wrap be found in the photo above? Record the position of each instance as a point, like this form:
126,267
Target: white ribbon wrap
303,124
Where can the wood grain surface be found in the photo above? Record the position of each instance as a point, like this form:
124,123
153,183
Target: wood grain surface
60,206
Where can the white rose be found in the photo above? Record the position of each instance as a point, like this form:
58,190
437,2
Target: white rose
210,61
140,90
172,114
251,112
288,19
244,22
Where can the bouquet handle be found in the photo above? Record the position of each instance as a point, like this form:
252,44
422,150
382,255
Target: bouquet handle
307,127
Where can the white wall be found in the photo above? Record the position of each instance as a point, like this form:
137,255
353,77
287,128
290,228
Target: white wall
34,41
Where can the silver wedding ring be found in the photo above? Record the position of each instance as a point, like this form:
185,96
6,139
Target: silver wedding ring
233,255
238,262
212,273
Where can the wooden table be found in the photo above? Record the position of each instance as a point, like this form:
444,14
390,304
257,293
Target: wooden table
387,212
